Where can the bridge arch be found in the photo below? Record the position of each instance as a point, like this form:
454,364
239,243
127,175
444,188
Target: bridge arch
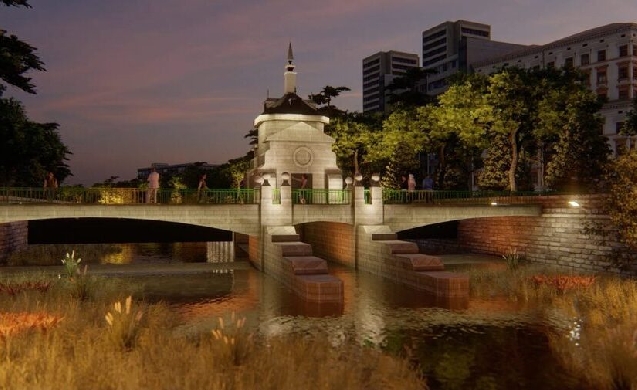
241,218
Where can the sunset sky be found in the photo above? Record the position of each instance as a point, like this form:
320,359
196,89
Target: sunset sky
175,81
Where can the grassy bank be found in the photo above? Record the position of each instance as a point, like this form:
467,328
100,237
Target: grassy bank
51,337
594,318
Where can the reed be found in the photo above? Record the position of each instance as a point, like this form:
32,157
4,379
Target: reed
79,350
593,318
603,350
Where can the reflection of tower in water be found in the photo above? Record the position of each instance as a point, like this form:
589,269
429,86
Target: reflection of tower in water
219,252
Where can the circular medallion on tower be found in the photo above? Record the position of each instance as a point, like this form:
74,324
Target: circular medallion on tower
303,156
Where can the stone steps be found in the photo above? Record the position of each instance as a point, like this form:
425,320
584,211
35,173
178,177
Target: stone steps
402,262
307,265
308,275
420,262
399,247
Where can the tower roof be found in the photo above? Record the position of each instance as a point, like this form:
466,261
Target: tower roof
290,103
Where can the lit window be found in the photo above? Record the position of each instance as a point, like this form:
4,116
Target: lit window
601,77
601,55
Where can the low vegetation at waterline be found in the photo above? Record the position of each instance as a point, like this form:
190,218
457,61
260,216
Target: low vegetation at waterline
50,338
594,318
50,254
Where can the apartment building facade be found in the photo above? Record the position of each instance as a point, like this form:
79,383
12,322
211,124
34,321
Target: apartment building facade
452,47
607,54
379,70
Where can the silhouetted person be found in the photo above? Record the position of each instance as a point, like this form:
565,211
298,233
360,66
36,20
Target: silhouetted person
201,188
153,186
404,186
428,186
302,184
50,186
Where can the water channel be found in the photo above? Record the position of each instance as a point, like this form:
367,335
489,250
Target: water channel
467,345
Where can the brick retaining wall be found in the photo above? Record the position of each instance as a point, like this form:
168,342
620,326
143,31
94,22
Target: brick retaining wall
330,240
554,238
13,237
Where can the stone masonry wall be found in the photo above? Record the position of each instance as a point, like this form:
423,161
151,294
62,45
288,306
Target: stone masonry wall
554,238
13,237
330,241
254,251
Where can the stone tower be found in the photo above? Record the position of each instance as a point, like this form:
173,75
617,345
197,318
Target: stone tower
291,139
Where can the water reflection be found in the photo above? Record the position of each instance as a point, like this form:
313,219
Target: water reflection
485,344
178,252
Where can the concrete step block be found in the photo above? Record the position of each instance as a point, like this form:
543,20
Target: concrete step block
421,262
395,247
318,288
444,283
294,249
306,265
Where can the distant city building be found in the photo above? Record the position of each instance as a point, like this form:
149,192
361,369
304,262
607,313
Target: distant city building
379,70
452,47
608,54
167,169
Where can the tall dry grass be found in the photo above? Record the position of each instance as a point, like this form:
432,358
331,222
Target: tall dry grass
80,352
513,283
601,344
592,326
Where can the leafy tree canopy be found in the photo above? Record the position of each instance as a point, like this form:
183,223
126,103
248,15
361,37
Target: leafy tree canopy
28,149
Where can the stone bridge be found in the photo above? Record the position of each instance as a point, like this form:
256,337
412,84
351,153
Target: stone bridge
248,219
285,239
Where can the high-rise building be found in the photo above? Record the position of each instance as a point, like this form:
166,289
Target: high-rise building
608,54
379,70
452,47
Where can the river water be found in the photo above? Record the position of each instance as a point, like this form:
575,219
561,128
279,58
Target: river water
458,345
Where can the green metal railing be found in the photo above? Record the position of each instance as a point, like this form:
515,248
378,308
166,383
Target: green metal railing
111,195
474,197
321,196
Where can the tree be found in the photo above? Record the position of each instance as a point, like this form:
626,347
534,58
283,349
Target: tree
355,135
402,138
324,98
16,3
494,174
630,126
620,204
402,162
28,149
569,122
17,59
403,90
462,122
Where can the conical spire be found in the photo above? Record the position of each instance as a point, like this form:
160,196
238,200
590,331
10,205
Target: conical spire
290,55
289,77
